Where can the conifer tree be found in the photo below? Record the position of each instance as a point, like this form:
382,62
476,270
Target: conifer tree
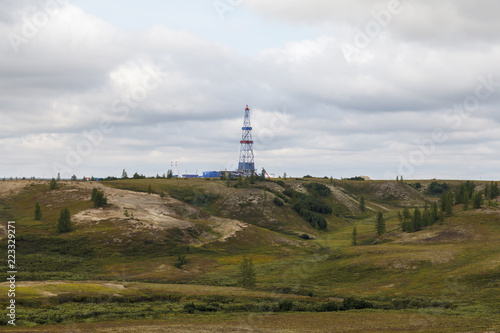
53,184
380,224
354,237
465,200
435,212
427,218
362,206
416,221
495,192
38,212
98,198
406,219
64,223
477,200
247,273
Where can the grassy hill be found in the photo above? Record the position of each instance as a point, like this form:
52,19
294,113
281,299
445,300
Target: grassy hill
122,261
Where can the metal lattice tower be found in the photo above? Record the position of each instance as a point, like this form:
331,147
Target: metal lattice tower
246,164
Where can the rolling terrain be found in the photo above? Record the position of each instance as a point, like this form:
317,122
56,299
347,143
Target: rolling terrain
120,269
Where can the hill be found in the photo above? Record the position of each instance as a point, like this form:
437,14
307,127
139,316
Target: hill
129,252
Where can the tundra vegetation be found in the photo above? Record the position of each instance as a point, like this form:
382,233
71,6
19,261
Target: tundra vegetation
300,254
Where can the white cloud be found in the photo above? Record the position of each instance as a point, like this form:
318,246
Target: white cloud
313,110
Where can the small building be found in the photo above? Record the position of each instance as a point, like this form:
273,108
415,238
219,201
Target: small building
212,174
190,176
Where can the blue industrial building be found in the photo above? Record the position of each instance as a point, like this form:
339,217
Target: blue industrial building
212,174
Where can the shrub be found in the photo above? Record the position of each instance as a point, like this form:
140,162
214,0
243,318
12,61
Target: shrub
189,307
278,202
98,198
285,305
351,303
437,188
318,189
328,307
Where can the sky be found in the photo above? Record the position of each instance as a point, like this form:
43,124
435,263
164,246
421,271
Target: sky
335,88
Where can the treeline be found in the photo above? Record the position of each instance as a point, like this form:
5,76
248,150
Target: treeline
466,195
411,222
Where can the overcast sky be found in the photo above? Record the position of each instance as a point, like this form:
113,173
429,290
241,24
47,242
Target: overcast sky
336,88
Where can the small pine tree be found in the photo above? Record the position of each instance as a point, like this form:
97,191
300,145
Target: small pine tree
162,194
53,184
477,200
427,219
495,192
64,223
73,178
38,212
98,198
401,179
362,206
94,194
435,212
58,176
247,273
465,200
354,237
416,221
181,260
380,224
169,174
124,174
150,190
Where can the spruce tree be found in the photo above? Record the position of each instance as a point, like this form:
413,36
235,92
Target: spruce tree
427,218
98,198
435,212
64,223
465,200
406,219
38,212
495,192
380,224
247,273
354,237
362,206
416,221
53,184
477,200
